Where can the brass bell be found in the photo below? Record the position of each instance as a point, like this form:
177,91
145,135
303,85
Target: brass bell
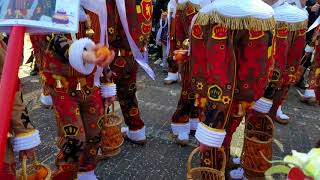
89,32
58,84
78,86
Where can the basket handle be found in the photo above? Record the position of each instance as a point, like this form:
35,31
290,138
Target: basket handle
198,149
190,159
270,121
24,168
24,164
112,109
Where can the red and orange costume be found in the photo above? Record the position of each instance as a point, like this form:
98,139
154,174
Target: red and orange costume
129,28
186,117
289,39
229,56
77,101
173,74
312,94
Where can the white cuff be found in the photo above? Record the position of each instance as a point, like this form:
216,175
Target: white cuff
210,136
26,142
309,93
180,128
75,56
138,135
108,90
263,105
194,123
46,100
308,49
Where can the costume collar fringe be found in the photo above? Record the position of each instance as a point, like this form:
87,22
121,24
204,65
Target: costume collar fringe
293,26
182,6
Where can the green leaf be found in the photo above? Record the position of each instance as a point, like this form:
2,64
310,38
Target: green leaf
278,169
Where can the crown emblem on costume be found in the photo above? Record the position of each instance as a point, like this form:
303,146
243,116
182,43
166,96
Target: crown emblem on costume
219,32
190,10
70,130
255,34
282,32
197,31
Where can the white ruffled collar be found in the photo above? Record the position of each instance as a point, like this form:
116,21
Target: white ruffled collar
245,8
290,14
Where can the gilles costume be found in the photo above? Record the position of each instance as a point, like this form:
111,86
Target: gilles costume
22,134
312,94
173,74
290,38
230,45
77,99
186,116
129,27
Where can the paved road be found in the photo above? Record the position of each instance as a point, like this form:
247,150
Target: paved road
161,158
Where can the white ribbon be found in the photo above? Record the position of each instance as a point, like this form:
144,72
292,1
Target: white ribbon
315,24
172,8
99,7
160,30
141,58
190,30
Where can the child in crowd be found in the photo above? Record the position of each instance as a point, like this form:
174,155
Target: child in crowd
162,39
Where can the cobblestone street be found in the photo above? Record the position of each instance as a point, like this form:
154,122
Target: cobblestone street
161,158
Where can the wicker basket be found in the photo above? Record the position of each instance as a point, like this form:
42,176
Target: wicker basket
257,145
205,173
34,171
111,136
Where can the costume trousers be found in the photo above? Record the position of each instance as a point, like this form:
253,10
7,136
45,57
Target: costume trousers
314,77
79,118
186,108
288,68
236,64
125,69
19,115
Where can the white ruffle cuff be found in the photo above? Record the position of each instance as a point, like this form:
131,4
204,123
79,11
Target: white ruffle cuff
138,135
194,123
263,105
309,93
75,56
108,90
180,128
210,136
26,142
308,49
46,100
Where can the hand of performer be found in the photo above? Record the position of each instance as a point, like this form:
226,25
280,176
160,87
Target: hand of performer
109,101
315,7
26,153
204,148
89,56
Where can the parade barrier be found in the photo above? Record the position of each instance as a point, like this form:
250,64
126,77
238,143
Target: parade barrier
111,136
16,19
205,173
